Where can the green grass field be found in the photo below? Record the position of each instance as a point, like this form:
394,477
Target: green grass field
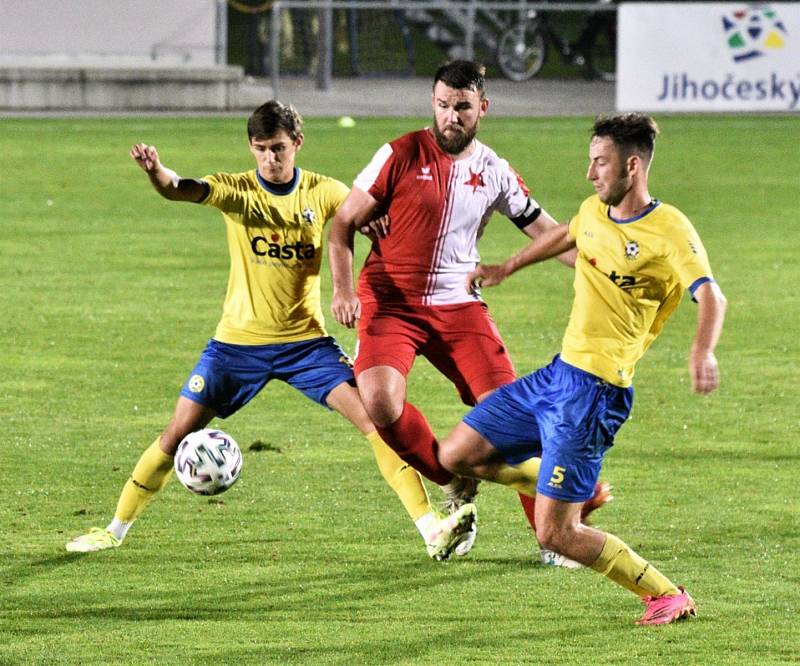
109,294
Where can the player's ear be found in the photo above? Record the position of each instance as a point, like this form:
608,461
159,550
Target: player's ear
298,142
484,107
634,163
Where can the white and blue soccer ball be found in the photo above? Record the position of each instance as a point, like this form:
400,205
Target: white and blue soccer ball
208,462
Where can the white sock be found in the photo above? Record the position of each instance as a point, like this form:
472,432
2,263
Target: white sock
426,524
118,528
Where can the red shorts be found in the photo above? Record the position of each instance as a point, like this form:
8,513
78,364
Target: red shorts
461,341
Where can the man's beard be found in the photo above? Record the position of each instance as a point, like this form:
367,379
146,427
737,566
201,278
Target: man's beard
618,193
456,142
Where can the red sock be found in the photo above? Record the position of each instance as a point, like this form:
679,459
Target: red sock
528,503
413,440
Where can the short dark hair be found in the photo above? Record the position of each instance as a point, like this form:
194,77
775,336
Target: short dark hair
630,132
462,75
272,117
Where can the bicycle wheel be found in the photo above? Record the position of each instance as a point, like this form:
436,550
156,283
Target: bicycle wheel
521,51
601,49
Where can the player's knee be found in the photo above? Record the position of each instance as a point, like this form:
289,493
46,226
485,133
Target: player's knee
383,392
383,409
546,537
453,457
552,537
447,458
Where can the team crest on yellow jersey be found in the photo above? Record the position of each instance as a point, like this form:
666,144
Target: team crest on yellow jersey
309,215
631,249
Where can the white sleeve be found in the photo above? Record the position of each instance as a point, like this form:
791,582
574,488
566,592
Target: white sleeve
369,174
514,200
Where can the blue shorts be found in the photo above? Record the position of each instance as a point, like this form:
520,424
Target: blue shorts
228,376
564,414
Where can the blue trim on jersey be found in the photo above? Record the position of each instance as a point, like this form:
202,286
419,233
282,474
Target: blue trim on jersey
697,283
286,188
655,203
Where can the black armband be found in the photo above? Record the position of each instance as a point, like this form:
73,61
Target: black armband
531,212
206,193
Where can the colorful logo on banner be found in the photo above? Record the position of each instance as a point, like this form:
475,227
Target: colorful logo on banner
754,31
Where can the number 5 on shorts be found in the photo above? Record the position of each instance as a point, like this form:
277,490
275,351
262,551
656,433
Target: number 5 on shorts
557,478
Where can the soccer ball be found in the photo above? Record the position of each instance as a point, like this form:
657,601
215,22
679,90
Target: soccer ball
208,462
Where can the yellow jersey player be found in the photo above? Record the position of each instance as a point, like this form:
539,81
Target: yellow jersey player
636,258
272,325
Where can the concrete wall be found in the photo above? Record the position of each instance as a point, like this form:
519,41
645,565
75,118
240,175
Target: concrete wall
140,32
119,88
62,55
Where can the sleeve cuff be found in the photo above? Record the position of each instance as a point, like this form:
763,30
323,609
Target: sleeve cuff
696,284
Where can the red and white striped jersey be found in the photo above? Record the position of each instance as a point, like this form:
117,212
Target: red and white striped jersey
438,209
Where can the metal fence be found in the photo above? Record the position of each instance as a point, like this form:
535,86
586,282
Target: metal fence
374,37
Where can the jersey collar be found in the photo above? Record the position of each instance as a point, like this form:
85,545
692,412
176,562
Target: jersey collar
281,189
650,208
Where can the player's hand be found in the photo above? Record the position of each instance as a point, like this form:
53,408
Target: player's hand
346,308
377,228
146,157
485,275
704,371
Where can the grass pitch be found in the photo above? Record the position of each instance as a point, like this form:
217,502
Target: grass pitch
109,294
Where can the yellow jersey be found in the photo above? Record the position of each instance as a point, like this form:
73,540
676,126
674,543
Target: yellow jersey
630,276
275,245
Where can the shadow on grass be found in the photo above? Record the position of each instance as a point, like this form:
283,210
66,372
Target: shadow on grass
26,569
324,592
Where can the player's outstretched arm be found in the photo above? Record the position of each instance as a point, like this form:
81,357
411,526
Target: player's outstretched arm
355,212
542,223
711,305
552,242
165,181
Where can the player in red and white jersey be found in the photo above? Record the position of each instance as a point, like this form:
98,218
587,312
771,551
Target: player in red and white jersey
438,207
439,186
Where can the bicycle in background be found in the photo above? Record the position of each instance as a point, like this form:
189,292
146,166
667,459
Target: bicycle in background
522,49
